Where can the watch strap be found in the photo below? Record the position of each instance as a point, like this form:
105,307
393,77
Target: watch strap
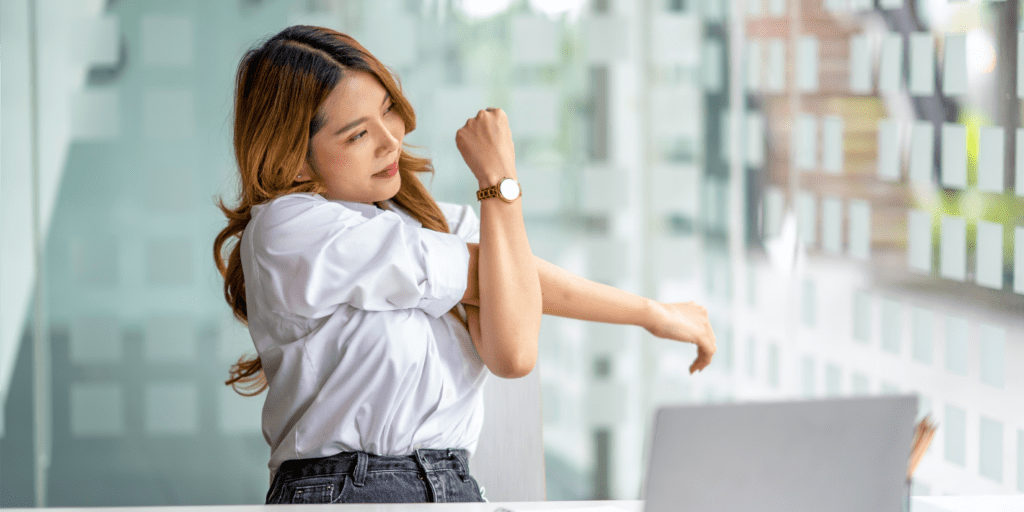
488,192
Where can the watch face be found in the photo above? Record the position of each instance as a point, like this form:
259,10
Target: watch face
509,189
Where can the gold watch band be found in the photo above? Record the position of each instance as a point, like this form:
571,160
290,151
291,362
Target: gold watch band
486,193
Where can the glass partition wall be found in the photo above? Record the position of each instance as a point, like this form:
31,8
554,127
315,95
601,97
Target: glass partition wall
837,181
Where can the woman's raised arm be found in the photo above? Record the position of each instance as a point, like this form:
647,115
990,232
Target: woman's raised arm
509,289
568,295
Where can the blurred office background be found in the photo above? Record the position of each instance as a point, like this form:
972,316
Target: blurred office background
840,182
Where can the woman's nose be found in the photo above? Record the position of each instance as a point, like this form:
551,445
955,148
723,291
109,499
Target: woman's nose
388,142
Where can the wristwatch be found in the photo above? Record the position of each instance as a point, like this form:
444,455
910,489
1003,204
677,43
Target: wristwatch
507,190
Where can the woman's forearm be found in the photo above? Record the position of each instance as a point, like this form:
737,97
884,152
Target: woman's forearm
568,295
509,290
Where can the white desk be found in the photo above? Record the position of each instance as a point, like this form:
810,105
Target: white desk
1012,503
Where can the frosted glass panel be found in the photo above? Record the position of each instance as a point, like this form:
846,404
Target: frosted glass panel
776,65
833,380
809,301
991,155
607,37
97,410
888,150
990,456
954,248
171,409
922,321
860,229
954,155
1018,260
1020,85
96,41
535,112
157,30
1019,163
890,68
861,316
674,39
712,65
954,68
989,255
602,190
534,41
239,414
922,64
807,64
774,202
1020,453
169,261
807,206
919,241
860,64
754,8
806,142
956,345
922,152
773,365
993,354
832,144
832,224
860,384
96,115
955,426
755,139
807,376
168,114
170,339
96,340
891,313
674,111
753,65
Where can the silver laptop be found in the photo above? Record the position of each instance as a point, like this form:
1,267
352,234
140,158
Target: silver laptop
845,454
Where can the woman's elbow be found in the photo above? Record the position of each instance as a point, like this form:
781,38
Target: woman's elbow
514,366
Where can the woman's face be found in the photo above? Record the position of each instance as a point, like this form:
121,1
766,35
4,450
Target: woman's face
357,149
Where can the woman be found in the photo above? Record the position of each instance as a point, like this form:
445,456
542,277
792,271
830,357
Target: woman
375,314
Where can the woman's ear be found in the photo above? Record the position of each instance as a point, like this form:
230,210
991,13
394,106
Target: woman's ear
305,174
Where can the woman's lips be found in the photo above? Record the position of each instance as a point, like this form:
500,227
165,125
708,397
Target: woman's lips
388,171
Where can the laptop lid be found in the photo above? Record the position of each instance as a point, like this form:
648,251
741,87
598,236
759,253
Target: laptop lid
845,454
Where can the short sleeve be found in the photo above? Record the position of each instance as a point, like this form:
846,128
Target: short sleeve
462,221
314,255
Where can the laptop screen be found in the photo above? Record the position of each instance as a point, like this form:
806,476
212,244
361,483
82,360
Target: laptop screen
845,454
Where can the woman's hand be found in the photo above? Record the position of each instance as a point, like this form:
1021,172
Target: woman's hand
685,321
486,145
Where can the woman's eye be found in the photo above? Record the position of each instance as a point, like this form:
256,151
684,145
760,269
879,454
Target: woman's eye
358,136
391,106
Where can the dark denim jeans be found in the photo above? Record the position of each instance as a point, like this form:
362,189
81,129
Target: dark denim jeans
359,477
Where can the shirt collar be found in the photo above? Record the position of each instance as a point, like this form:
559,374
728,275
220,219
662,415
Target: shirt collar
368,210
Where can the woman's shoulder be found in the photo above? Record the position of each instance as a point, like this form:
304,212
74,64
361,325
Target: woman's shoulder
462,220
296,210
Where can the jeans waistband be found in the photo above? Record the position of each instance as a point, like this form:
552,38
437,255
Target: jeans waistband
359,463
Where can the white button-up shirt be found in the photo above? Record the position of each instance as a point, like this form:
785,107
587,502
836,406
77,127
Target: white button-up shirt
347,307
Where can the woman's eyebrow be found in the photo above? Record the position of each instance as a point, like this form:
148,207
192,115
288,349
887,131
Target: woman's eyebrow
355,123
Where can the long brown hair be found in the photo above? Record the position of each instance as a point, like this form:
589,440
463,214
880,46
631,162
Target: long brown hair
279,90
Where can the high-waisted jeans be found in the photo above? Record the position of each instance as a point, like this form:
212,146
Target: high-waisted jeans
359,477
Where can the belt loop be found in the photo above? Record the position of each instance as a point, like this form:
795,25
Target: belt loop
422,460
463,470
359,473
